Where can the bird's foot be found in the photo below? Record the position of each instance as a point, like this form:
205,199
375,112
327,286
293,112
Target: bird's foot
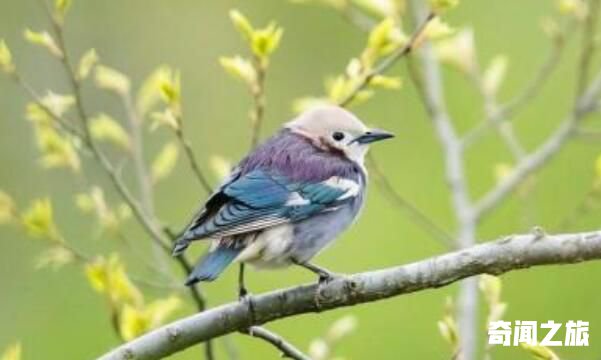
327,276
246,298
324,275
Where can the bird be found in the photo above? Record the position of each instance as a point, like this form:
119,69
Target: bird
288,199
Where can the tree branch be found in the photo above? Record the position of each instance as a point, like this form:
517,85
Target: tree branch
498,257
586,103
288,350
530,91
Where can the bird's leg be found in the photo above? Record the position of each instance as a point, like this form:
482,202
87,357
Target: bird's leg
243,294
324,274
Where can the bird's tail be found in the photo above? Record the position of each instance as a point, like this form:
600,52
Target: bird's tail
180,246
213,264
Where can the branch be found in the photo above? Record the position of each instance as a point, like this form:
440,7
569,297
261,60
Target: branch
288,350
498,257
414,213
146,219
202,179
586,104
530,91
258,95
432,94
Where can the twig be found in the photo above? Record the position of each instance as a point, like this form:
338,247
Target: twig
141,172
432,92
258,95
390,60
62,123
586,103
179,133
589,33
288,350
530,91
498,257
148,221
416,215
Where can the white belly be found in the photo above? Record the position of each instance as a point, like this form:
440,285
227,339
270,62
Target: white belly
270,248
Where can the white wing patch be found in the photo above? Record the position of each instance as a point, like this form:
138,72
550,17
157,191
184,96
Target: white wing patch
350,187
296,200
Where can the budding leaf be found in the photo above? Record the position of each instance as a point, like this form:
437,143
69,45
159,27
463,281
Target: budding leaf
55,258
575,8
105,128
13,352
7,208
6,59
57,151
58,104
112,80
386,82
458,51
87,63
265,41
443,5
135,321
494,75
165,118
242,24
45,40
61,7
110,278
239,68
38,221
437,29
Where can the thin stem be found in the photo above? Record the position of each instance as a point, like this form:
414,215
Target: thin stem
388,62
589,32
258,95
414,213
509,109
192,161
288,350
432,92
147,220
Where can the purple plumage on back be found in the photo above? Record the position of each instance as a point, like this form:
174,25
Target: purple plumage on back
298,159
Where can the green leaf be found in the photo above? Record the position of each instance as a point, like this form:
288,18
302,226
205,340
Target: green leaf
242,24
105,128
112,80
87,63
239,68
6,59
43,39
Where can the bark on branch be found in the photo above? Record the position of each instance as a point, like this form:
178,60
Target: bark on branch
511,253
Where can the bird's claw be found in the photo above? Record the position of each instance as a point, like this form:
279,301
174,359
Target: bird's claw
246,298
326,277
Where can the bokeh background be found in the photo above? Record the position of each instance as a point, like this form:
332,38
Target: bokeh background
57,316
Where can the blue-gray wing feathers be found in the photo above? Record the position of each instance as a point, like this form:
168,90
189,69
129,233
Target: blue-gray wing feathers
258,200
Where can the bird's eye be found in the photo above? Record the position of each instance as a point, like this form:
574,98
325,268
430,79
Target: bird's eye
338,136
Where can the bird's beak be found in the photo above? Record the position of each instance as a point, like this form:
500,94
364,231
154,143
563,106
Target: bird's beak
373,135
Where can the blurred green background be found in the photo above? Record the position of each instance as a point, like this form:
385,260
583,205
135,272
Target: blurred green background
57,316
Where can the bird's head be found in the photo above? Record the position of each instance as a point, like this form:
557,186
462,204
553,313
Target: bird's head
334,129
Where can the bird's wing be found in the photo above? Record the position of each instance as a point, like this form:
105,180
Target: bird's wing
259,200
